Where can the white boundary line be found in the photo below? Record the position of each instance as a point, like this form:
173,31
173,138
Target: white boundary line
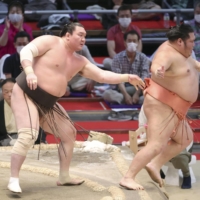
102,105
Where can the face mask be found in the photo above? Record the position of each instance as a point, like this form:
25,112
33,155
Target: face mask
124,22
197,18
15,17
131,47
19,48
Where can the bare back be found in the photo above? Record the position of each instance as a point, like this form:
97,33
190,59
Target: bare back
181,76
56,66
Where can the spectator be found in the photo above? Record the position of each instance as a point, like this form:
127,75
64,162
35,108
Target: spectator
13,24
143,4
195,23
8,129
4,6
115,43
79,83
133,62
12,66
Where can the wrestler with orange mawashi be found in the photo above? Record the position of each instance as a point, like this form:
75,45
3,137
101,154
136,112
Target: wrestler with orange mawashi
169,93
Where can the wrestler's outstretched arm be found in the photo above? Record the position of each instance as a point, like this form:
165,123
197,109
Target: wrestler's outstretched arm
93,72
35,48
160,64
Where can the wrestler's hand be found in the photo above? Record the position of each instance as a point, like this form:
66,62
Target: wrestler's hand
136,81
160,72
31,81
128,99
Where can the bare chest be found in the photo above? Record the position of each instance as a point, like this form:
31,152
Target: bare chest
183,69
60,64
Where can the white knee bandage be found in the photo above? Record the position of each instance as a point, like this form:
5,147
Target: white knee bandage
28,52
26,138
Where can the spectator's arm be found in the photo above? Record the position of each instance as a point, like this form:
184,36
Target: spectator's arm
86,53
145,67
111,48
4,37
122,89
116,67
140,46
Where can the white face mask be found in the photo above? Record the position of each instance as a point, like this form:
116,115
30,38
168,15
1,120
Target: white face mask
131,47
15,17
124,22
19,48
197,18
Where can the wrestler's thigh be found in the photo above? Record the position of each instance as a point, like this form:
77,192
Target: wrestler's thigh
25,112
161,120
64,128
184,134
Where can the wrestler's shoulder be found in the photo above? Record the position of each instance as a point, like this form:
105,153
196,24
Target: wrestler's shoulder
49,38
80,57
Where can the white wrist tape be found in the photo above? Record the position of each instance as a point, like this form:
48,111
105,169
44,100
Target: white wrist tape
124,78
28,70
28,52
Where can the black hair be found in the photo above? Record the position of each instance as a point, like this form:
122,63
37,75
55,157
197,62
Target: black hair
8,80
132,32
17,4
69,28
179,31
22,34
124,7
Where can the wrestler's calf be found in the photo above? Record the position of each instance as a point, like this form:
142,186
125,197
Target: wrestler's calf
26,138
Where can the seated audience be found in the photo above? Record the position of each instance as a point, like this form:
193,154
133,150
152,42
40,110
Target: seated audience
143,4
13,24
115,43
8,129
129,61
12,65
181,161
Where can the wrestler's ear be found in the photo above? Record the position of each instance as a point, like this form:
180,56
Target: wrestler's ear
67,35
179,41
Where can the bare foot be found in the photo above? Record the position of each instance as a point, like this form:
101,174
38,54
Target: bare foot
73,182
154,174
130,184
